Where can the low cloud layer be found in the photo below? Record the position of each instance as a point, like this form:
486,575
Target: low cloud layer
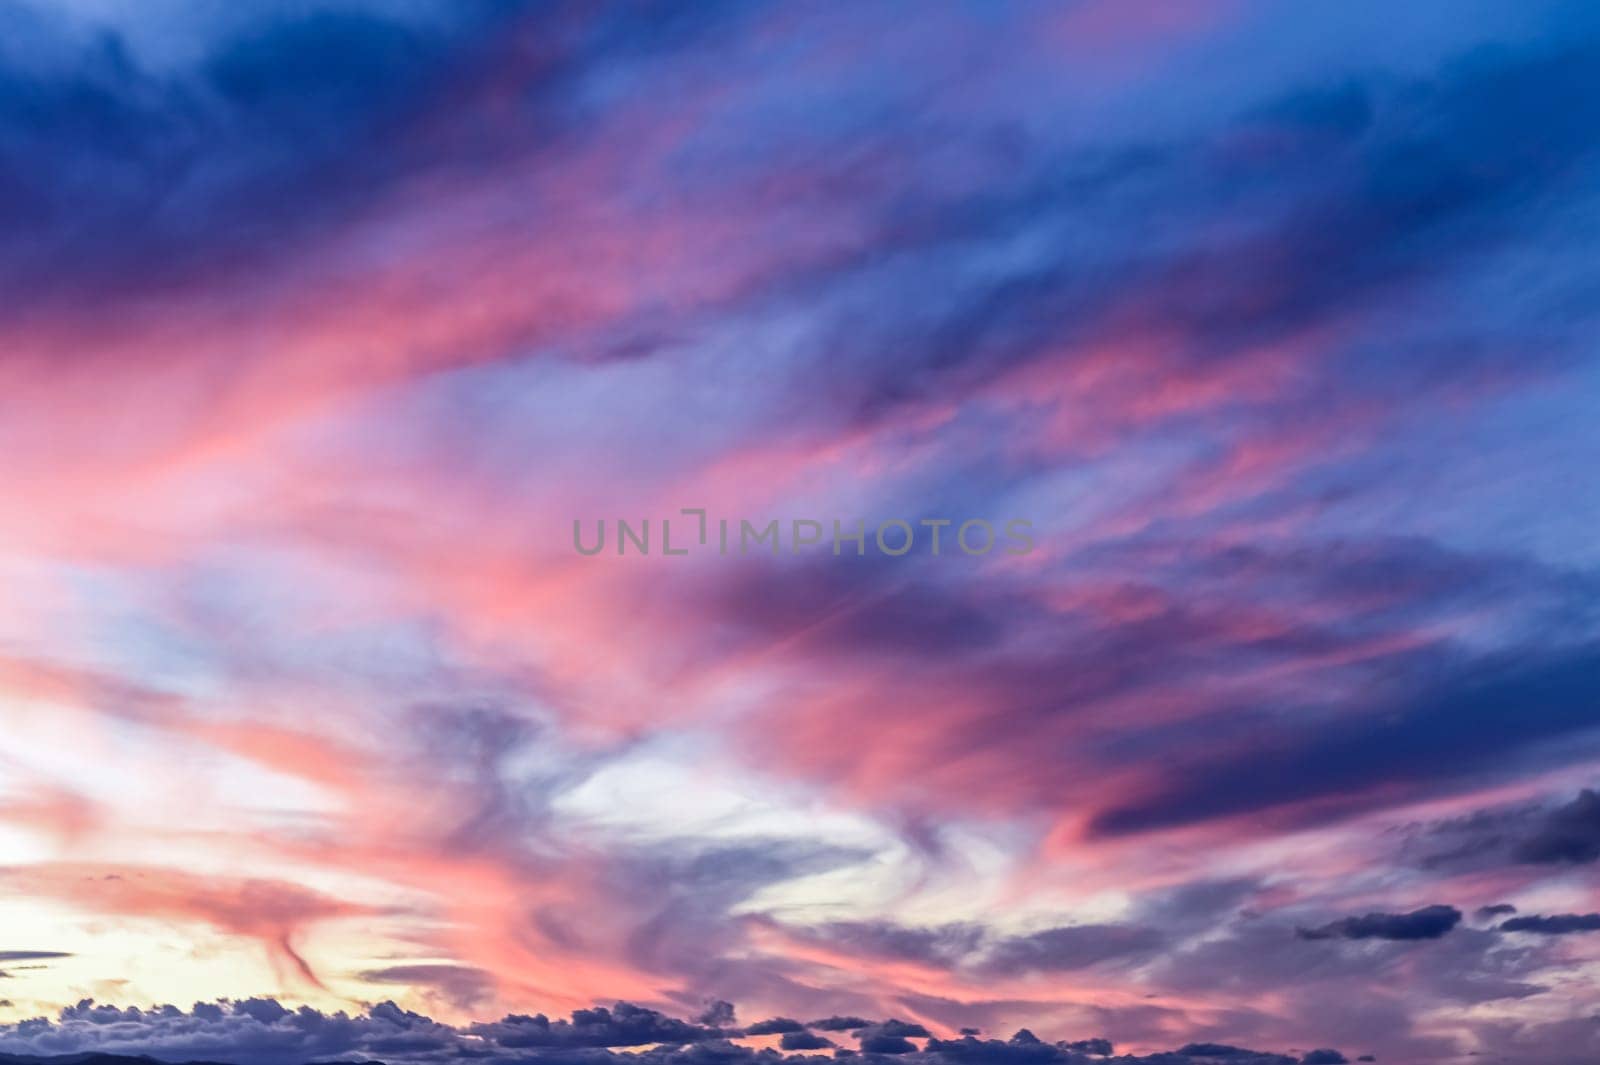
262,1032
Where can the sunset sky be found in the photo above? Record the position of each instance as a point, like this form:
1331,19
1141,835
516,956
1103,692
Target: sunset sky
322,322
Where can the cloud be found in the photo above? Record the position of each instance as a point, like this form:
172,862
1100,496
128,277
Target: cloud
1023,1048
461,985
623,1025
839,1024
944,946
1444,736
261,131
248,1032
1073,947
717,1014
1225,1052
976,959
1553,925
1541,832
1568,835
880,1043
371,323
273,912
1097,1046
263,1032
1430,922
774,1026
803,1040
27,955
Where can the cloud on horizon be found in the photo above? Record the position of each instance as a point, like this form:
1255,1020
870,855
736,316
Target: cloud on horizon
262,1032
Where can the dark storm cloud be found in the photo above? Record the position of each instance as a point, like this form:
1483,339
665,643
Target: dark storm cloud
1553,925
1430,922
774,1026
803,1040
